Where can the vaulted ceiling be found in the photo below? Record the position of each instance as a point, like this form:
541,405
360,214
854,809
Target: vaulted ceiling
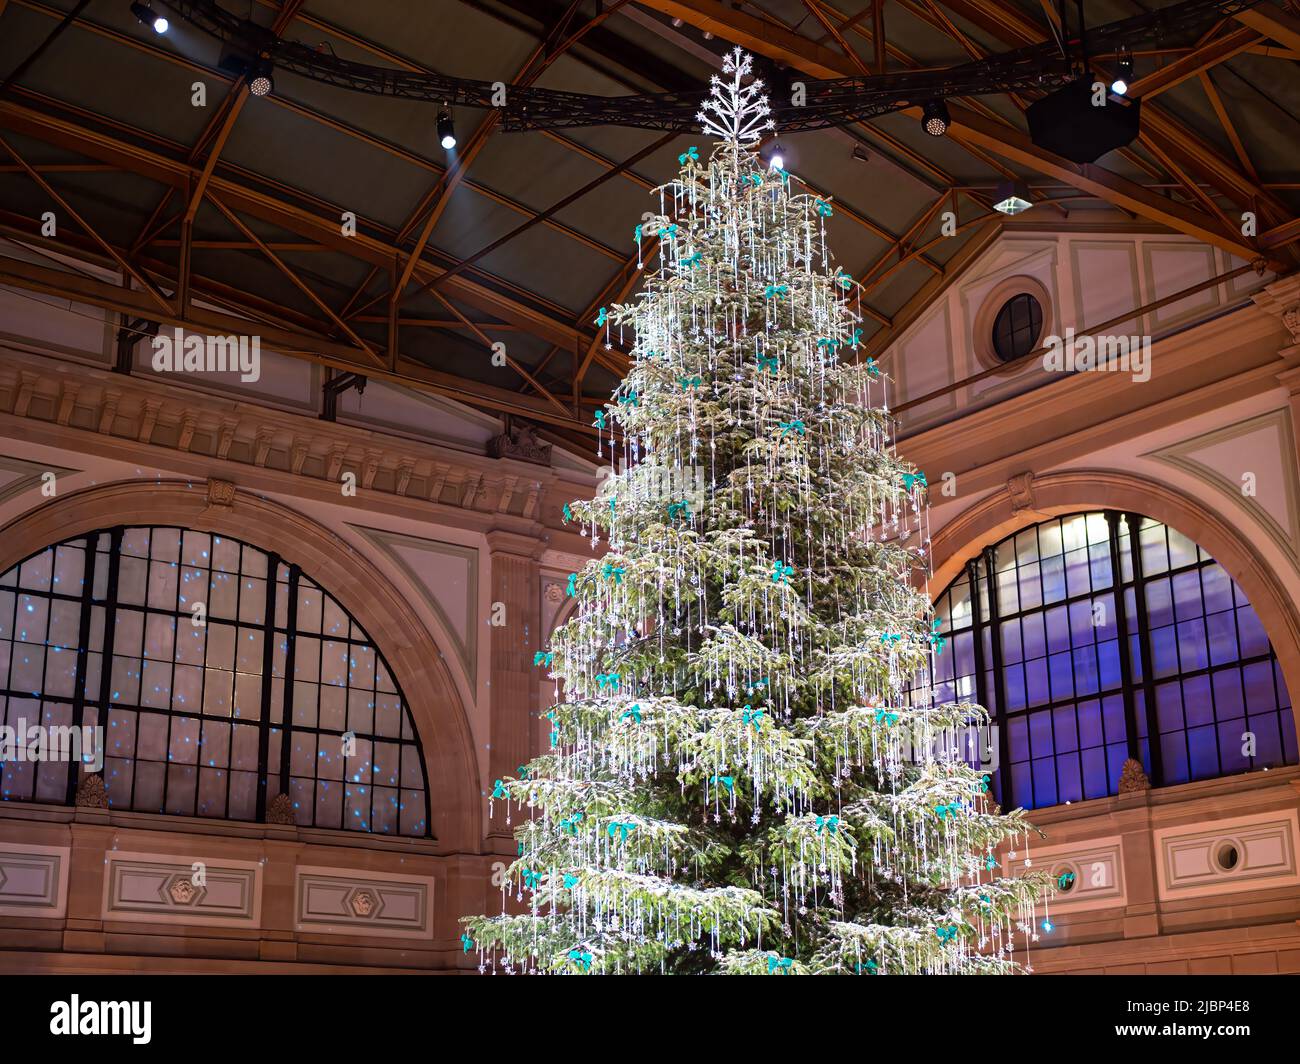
238,208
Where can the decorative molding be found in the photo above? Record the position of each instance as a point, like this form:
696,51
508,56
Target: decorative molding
160,888
1132,778
26,476
520,441
91,793
221,494
1282,300
1021,490
337,901
34,880
279,810
1230,856
1096,864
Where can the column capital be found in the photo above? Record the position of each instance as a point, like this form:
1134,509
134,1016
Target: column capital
500,541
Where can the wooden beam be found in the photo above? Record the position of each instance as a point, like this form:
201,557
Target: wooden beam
1272,21
1193,63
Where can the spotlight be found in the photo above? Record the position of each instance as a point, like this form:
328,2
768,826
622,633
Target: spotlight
860,154
146,17
1012,197
260,82
934,118
1123,71
446,132
777,159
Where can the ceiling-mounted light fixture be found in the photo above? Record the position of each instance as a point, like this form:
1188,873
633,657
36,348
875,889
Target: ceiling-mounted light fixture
1012,197
261,82
934,118
1123,71
446,131
777,159
861,154
144,13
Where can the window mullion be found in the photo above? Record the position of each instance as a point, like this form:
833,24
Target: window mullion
999,684
268,668
1134,522
1125,658
83,659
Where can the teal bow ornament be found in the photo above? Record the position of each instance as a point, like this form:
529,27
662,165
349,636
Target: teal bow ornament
582,957
572,589
668,232
784,175
936,640
499,790
522,772
869,966
467,942
692,153
910,480
886,718
727,781
604,680
600,419
768,363
780,572
633,714
843,280
752,179
612,504
828,823
532,880
569,825
570,881
890,637
555,732
568,514
873,368
688,383
783,964
823,208
616,571
772,291
679,509
948,809
946,934
826,343
631,399
752,716
543,659
855,338
788,427
693,260
602,317
1064,879
621,828
990,863
636,234
984,783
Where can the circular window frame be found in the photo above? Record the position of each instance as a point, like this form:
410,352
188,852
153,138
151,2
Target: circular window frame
1217,852
992,304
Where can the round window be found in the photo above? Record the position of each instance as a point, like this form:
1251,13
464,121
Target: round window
1017,327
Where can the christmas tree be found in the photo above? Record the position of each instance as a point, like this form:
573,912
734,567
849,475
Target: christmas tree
741,777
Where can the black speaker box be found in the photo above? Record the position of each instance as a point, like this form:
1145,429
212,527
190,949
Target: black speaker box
1068,123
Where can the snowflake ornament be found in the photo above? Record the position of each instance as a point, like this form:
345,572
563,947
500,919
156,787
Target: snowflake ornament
736,112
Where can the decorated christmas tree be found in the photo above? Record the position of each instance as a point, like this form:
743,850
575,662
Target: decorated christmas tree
744,776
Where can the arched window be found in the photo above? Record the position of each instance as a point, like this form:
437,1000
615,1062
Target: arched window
1097,637
221,676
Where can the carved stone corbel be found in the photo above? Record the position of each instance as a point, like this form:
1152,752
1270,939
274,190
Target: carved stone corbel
1021,489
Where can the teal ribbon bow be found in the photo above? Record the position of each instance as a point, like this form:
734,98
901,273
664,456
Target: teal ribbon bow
752,179
826,343
984,783
543,659
890,637
602,317
679,509
870,966
855,338
886,718
936,640
727,781
568,514
466,941
582,957
636,234
572,589
783,964
570,881
668,232
621,828
633,714
499,790
767,363
613,503
772,291
688,383
948,809
522,772
693,260
828,823
910,480
532,880
823,208
616,571
600,419
692,153
946,934
555,732
631,399
788,427
604,680
780,572
990,863
569,825
1064,879
873,368
843,280
752,716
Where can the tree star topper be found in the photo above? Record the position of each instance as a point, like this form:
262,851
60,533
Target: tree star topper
734,111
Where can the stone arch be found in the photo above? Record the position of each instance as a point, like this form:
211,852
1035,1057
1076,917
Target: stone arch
994,518
431,695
